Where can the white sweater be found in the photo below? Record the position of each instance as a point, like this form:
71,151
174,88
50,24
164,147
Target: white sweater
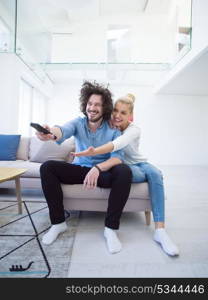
129,143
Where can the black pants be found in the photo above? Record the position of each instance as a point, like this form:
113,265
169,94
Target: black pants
53,173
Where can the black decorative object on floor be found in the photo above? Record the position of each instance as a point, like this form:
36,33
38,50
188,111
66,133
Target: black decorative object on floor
20,268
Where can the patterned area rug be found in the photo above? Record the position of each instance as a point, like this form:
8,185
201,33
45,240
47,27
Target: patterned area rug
22,254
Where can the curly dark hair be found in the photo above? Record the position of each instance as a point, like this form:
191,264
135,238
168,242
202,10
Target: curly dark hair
90,88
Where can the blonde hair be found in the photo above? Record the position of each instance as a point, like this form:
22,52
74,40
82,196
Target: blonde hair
128,99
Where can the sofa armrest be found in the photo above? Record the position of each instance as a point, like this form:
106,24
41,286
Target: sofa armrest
23,149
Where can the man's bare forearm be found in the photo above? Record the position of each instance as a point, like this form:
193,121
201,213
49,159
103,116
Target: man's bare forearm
57,132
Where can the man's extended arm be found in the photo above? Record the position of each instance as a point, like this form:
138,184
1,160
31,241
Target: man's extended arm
61,132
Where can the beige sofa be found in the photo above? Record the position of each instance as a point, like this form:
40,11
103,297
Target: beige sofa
32,152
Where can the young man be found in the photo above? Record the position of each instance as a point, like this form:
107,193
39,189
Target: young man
104,170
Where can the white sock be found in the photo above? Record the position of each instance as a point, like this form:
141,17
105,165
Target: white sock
53,233
166,243
113,243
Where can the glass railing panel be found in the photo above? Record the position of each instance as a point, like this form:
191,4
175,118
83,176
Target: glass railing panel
33,41
132,38
130,73
7,26
97,33
181,20
157,32
104,66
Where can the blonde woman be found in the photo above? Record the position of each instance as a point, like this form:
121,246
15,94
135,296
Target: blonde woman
141,169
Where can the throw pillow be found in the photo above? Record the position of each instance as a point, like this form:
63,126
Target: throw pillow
8,146
42,151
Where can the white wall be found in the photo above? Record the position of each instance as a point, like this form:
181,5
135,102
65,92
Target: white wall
174,128
11,72
64,105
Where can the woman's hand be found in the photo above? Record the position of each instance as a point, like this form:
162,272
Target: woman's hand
90,181
88,152
112,125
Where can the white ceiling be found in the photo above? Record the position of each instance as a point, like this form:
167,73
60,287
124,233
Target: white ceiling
191,80
108,7
56,15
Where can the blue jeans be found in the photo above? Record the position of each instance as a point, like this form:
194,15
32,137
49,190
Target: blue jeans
146,172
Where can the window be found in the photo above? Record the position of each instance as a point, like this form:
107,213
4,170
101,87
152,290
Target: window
39,107
25,108
32,108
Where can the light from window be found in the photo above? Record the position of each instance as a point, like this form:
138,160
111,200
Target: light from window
25,108
32,108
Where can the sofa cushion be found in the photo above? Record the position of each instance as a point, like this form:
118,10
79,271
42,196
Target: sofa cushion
77,191
23,149
40,151
9,145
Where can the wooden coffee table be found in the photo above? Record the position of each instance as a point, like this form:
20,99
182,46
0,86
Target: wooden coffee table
10,174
